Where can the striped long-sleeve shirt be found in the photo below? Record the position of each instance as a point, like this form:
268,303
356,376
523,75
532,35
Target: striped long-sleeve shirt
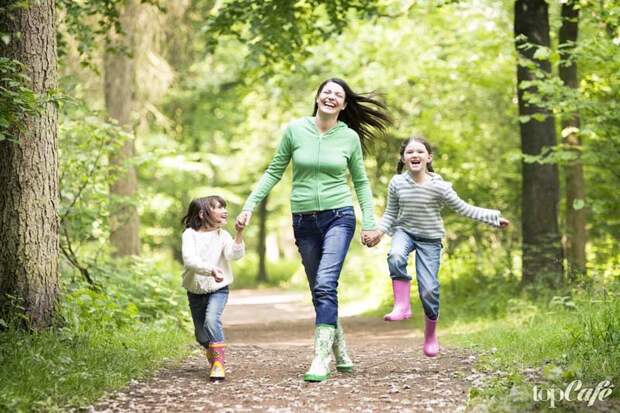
416,207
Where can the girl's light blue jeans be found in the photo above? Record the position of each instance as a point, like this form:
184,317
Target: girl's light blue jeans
323,240
207,315
427,260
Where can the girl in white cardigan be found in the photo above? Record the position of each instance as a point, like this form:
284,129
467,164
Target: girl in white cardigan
208,250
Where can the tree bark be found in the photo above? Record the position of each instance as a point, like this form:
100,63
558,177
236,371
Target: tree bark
120,90
576,235
542,251
262,238
29,177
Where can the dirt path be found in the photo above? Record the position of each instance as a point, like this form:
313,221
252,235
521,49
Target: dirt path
269,338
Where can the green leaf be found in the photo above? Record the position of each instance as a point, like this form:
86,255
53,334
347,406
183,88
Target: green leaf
539,117
578,204
542,53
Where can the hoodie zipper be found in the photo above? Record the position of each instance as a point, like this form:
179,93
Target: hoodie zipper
318,167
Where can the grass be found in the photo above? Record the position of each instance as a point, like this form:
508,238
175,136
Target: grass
138,323
51,371
526,340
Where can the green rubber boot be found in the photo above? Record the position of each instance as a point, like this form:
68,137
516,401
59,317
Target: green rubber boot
344,364
323,342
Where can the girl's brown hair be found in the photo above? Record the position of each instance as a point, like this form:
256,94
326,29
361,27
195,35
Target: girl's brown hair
403,146
199,213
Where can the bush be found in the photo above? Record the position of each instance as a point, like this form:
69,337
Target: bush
128,327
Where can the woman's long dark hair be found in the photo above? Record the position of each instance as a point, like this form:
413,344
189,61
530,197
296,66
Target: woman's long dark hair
199,212
363,113
403,146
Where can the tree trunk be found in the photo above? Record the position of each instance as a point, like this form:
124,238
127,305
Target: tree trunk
262,237
120,89
542,251
576,235
29,177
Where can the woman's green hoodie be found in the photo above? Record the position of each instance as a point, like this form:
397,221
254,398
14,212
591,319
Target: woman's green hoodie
320,165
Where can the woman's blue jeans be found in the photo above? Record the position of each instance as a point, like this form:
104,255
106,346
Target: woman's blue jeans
323,240
207,315
427,260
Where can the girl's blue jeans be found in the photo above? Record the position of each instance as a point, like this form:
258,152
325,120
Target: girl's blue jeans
323,240
207,315
427,260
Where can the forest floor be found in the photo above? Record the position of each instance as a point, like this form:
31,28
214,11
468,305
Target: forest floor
269,347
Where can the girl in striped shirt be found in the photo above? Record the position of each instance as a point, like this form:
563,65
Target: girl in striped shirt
412,217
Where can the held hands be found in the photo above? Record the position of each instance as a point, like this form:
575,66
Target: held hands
371,238
218,274
239,228
503,223
243,219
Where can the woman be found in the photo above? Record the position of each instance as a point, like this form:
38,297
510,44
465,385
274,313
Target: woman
325,148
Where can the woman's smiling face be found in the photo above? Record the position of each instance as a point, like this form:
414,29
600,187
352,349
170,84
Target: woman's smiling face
331,99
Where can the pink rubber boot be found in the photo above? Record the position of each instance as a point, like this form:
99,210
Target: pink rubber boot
402,305
217,361
431,346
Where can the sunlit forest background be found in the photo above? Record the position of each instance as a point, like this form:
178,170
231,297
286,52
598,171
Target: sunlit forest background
208,123
189,98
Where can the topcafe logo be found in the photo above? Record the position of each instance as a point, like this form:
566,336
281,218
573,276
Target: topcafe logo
574,392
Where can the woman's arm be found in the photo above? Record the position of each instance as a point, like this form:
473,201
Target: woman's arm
273,174
362,187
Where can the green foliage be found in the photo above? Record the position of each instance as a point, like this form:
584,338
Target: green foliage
88,22
283,31
127,329
86,145
596,103
17,100
133,291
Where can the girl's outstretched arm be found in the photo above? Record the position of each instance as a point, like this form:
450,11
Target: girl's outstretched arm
488,216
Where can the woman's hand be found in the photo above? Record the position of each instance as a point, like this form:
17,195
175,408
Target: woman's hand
243,219
371,238
503,223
